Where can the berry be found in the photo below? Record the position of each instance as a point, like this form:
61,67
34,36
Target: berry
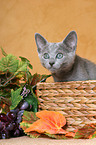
1,126
10,126
3,117
16,133
24,105
11,116
19,116
4,134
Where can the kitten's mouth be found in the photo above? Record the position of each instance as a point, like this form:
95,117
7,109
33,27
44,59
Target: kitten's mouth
58,69
53,70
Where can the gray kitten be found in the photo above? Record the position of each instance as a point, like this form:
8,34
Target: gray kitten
61,59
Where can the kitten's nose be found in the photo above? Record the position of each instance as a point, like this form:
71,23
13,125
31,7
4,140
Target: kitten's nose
51,63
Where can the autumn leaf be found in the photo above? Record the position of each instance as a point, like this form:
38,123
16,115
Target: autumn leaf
71,134
56,136
88,131
34,134
38,78
52,117
50,122
27,119
93,135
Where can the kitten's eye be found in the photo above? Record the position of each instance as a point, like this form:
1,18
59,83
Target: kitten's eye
59,55
46,56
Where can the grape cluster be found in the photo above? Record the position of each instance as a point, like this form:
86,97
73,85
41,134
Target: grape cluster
10,122
9,125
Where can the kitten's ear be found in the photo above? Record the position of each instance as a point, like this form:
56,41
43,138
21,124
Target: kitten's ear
40,41
71,41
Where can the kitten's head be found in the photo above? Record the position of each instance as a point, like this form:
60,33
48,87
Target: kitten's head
57,56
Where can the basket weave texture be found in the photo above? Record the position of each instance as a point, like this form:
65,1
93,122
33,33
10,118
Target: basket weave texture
76,100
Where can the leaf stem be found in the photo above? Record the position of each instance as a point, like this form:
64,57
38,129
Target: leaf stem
43,80
12,77
5,100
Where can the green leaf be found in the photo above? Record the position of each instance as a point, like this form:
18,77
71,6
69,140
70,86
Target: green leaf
56,136
30,66
26,61
14,73
15,98
27,119
78,135
3,52
34,134
32,100
21,69
9,63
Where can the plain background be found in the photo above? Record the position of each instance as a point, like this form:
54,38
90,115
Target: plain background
54,19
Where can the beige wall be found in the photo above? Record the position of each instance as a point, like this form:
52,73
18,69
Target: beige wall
54,19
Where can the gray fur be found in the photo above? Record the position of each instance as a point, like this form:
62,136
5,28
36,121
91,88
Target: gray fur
65,66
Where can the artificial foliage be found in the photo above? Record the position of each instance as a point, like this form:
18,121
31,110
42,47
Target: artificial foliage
86,132
47,123
17,81
51,124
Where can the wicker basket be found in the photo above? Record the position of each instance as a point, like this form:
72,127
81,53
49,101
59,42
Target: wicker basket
76,100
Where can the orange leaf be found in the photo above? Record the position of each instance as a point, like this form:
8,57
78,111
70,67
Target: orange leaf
50,122
38,126
70,134
52,117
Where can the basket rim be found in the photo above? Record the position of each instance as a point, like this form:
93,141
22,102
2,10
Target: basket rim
68,82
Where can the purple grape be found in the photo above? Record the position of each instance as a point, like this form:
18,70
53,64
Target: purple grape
21,130
3,117
19,116
16,110
11,116
10,126
1,126
24,105
20,113
19,119
10,122
16,133
5,134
